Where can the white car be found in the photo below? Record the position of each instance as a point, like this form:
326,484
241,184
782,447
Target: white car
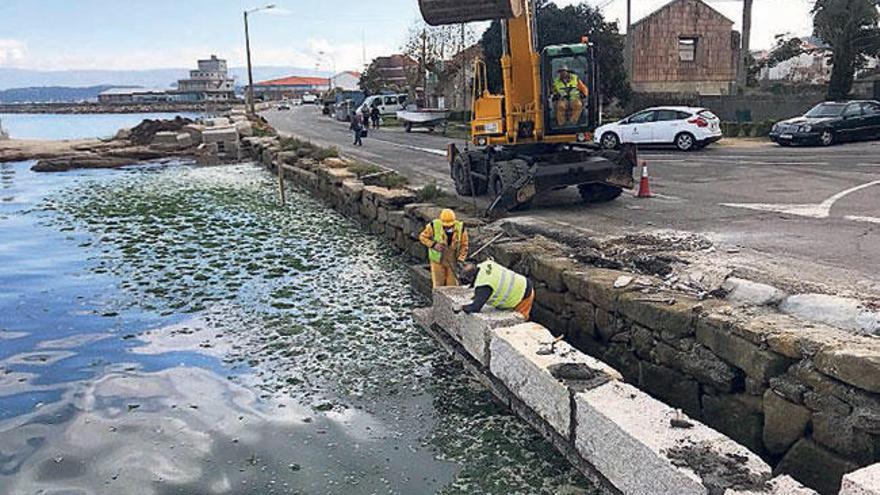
688,128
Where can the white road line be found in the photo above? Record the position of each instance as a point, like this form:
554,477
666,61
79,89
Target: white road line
856,218
821,210
432,151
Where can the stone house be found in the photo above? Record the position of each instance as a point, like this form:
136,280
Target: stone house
451,85
684,47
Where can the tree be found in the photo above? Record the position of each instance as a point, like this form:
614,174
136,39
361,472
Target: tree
786,48
850,29
371,80
568,25
434,47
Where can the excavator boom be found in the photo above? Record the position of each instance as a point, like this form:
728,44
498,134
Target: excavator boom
442,12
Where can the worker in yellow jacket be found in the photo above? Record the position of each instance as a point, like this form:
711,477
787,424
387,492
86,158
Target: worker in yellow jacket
569,92
447,243
499,287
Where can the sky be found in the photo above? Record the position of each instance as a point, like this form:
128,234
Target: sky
324,34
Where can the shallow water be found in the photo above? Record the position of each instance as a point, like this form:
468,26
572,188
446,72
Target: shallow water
74,126
168,329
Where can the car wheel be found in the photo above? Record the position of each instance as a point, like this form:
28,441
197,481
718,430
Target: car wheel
826,138
610,141
685,141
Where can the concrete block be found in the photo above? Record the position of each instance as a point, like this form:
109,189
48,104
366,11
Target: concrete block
472,331
220,134
184,140
856,364
739,416
865,481
804,458
671,387
758,363
244,128
522,359
165,138
217,122
675,319
741,291
628,437
784,422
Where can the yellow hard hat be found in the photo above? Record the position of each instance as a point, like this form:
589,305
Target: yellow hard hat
447,217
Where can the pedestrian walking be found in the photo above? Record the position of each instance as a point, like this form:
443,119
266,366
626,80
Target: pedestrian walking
375,116
357,127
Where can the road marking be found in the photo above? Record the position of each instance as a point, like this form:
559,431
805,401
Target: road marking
432,151
821,210
856,218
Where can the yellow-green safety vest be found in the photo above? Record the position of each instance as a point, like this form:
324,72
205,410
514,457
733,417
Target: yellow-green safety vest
569,88
440,236
508,287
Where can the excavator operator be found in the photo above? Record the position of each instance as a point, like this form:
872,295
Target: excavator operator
569,92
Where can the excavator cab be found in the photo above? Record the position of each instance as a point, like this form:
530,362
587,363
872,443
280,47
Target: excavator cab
569,88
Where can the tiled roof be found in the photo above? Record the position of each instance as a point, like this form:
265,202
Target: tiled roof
295,81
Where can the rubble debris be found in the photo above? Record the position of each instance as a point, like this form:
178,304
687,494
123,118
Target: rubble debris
719,471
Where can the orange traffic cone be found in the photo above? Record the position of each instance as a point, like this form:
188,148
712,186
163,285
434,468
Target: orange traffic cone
644,186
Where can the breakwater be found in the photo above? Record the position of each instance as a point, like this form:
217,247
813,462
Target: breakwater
804,396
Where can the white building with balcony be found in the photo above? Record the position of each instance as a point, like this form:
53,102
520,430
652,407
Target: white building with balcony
210,82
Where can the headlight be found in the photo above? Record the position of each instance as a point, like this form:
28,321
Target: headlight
775,127
481,141
581,137
805,128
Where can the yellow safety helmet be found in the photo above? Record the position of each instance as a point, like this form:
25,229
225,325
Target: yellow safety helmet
447,217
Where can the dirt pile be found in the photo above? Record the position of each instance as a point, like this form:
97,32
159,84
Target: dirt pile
143,133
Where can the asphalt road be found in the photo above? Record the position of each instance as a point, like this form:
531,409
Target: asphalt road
802,213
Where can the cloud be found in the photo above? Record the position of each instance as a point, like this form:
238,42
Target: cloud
11,51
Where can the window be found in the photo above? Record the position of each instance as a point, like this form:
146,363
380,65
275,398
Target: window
687,49
391,100
643,118
852,110
665,115
870,108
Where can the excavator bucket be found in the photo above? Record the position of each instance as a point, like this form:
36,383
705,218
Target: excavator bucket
441,12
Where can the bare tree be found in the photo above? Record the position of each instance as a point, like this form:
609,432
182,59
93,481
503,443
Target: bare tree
434,48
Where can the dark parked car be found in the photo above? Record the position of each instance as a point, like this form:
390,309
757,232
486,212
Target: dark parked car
831,122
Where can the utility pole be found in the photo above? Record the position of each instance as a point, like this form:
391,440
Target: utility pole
463,70
247,47
630,41
743,75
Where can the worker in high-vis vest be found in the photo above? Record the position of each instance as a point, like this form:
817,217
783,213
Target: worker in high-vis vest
569,92
447,243
499,287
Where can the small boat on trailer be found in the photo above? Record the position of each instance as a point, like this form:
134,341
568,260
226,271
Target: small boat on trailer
426,118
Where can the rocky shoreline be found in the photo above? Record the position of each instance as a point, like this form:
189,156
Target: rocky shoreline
209,141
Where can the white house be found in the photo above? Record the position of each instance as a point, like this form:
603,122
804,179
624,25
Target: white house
348,80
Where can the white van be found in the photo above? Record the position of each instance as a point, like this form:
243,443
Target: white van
387,104
309,99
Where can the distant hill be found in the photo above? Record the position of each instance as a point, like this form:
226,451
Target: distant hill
51,94
152,78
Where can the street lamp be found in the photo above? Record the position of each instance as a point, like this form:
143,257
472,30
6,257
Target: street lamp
333,61
247,46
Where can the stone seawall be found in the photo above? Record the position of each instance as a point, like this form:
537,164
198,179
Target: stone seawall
804,396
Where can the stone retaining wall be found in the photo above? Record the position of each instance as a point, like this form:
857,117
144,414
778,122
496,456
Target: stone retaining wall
804,396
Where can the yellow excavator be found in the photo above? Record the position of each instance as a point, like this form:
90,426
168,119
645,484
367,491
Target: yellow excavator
537,135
